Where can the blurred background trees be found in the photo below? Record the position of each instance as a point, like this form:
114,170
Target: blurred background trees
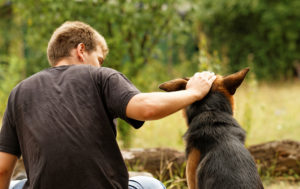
153,41
267,30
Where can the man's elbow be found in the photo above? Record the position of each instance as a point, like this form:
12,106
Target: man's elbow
153,111
149,113
142,108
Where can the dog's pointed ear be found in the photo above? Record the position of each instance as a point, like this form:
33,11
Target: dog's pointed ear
233,81
174,85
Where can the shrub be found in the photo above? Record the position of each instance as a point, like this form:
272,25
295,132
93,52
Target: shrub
268,29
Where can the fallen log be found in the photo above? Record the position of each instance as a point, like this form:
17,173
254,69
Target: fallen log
160,162
277,159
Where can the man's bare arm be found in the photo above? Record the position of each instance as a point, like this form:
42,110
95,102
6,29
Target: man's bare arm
151,106
7,165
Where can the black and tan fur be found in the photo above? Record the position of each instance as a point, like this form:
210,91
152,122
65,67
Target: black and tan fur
216,156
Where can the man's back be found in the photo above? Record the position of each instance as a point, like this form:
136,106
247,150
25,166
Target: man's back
62,118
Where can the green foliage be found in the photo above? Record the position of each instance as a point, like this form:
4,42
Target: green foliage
176,176
134,29
11,73
209,61
124,131
149,77
269,30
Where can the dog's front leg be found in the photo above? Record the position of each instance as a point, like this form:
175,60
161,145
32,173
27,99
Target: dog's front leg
193,160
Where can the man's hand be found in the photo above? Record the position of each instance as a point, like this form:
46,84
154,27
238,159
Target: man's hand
200,83
150,106
7,165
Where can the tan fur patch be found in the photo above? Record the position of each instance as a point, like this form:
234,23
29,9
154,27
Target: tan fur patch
218,85
185,116
191,168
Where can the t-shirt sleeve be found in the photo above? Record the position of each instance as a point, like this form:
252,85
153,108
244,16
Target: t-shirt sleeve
9,142
117,91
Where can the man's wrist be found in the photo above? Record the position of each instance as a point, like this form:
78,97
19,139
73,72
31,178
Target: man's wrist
194,95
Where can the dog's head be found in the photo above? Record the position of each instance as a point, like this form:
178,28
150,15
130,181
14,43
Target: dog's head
225,85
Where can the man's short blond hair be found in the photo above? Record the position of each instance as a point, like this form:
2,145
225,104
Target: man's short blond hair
68,36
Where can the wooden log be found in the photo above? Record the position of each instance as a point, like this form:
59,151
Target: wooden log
160,162
277,158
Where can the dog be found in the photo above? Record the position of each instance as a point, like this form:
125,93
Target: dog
215,151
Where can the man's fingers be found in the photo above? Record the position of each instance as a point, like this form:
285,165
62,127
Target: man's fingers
212,79
201,83
206,75
210,76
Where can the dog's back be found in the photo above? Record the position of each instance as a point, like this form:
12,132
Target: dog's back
225,163
216,156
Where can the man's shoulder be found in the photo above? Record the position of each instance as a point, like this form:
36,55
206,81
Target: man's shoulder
103,72
28,81
32,77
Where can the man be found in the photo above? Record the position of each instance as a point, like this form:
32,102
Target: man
61,119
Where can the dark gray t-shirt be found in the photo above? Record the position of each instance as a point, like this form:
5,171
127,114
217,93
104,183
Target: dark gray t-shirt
61,121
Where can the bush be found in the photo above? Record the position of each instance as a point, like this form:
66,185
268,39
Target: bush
267,29
11,74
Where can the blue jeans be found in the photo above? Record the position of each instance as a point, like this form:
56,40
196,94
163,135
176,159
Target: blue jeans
17,184
143,182
137,182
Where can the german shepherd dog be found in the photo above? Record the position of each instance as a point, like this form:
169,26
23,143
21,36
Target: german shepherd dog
216,156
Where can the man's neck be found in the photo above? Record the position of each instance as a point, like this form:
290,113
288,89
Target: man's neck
67,62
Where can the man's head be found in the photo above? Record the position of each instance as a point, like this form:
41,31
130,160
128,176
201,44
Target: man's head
78,40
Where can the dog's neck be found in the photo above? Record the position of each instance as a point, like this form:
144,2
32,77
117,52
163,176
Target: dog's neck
210,122
214,102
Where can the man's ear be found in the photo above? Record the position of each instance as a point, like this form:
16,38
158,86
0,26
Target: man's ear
174,85
233,81
80,49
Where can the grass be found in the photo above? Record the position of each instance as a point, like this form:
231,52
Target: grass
275,112
281,185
